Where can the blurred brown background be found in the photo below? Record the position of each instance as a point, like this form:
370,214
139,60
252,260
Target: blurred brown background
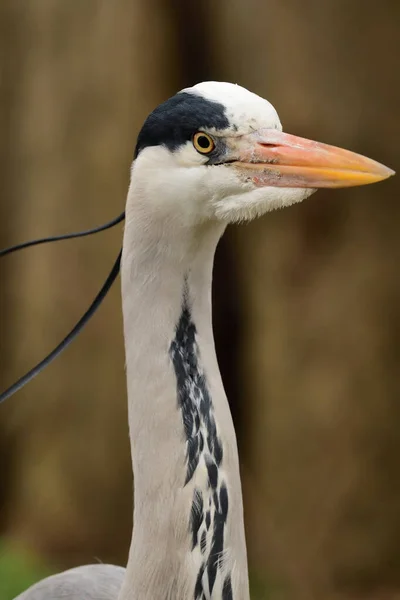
307,300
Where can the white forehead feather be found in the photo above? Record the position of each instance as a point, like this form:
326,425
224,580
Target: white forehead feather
245,110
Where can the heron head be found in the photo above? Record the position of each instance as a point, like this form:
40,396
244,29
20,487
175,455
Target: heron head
217,151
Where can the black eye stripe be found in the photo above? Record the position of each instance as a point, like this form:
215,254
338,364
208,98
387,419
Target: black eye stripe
173,123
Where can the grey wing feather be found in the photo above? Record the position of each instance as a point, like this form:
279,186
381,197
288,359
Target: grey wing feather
90,582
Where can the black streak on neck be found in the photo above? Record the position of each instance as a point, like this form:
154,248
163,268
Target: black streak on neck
194,397
202,443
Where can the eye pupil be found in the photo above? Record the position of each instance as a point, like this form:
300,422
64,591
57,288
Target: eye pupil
203,142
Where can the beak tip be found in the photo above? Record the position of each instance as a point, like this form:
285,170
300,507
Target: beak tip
385,173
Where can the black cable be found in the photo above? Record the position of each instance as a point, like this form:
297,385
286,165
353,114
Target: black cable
67,236
68,338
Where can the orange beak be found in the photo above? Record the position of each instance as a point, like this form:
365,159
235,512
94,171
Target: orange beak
272,158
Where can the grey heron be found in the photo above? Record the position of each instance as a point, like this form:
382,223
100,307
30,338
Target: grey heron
211,155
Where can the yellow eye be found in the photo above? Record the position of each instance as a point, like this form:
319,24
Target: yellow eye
203,142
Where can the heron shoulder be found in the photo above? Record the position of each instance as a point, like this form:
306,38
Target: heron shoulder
88,582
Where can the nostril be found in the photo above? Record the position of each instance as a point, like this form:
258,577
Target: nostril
270,145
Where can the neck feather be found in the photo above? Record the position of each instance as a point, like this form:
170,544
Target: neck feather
188,540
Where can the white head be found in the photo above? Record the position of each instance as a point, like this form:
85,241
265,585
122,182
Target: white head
217,152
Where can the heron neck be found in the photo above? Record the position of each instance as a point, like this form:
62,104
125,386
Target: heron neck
188,539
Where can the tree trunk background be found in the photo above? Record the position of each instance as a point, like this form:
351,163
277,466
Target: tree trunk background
320,294
73,129
306,300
